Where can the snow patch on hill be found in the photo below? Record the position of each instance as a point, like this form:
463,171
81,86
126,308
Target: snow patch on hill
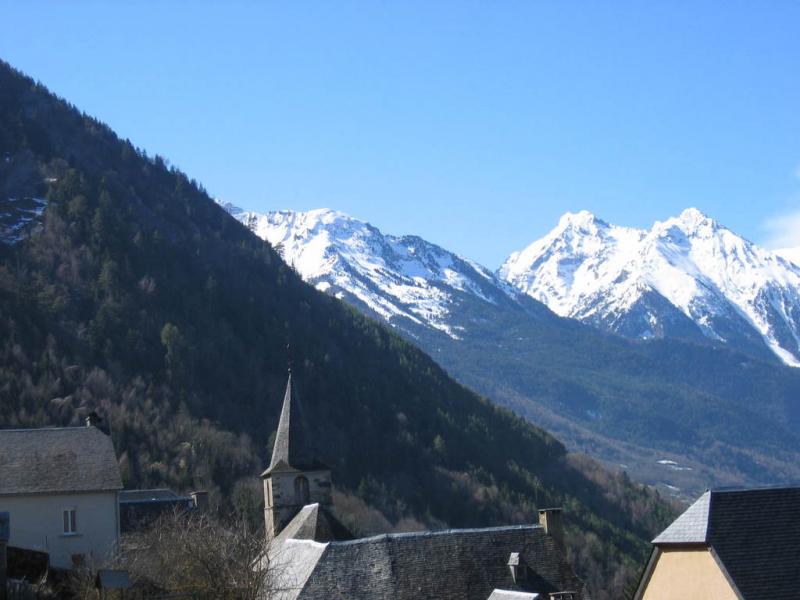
18,217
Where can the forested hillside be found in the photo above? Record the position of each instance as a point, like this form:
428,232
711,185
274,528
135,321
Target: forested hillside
136,295
678,413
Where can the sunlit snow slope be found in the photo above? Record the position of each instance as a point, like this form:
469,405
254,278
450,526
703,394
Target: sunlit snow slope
393,277
686,277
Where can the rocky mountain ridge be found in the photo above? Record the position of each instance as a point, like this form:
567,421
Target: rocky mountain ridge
655,406
687,277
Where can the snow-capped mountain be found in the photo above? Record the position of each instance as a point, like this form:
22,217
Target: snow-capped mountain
400,279
790,254
688,276
647,406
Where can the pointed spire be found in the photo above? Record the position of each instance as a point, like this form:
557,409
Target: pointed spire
292,450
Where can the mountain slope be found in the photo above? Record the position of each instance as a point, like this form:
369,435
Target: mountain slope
398,279
135,294
790,254
687,277
675,413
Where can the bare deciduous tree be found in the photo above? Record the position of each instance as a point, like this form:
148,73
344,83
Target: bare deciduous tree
200,554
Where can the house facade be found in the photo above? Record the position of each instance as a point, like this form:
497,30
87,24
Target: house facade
315,557
736,544
60,486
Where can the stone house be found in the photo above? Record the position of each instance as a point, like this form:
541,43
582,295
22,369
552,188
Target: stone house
737,544
314,556
60,486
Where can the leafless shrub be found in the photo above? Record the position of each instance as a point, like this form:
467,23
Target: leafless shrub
199,554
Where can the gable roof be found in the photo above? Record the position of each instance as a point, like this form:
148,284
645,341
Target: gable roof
753,534
689,528
292,450
67,459
314,522
511,595
451,564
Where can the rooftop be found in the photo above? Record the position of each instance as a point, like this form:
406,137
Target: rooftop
154,495
57,460
753,533
447,564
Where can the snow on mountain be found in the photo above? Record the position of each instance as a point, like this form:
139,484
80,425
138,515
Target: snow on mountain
394,277
687,276
790,254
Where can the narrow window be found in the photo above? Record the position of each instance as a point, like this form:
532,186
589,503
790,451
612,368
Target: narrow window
301,490
70,521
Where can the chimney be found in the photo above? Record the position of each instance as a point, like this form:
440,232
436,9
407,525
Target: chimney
200,500
552,520
93,419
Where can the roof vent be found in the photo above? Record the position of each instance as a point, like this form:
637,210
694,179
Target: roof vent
519,572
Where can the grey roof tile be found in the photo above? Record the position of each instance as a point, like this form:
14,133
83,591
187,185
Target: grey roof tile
314,522
68,459
512,595
689,528
464,564
754,534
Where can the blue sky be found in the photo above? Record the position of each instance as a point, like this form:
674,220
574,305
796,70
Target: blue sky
472,124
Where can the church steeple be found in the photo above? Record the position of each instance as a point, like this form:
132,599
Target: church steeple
292,450
295,477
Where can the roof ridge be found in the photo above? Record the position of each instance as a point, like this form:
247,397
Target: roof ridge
53,428
759,488
440,532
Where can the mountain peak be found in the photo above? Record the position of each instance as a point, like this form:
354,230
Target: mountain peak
700,274
694,217
581,220
402,279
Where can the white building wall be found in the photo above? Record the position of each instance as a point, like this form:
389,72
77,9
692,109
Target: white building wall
37,524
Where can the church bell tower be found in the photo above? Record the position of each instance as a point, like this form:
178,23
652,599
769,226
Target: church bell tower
295,477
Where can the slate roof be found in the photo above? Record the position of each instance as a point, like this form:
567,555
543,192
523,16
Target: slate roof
140,508
154,495
511,595
689,528
754,534
463,564
57,460
292,450
315,522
